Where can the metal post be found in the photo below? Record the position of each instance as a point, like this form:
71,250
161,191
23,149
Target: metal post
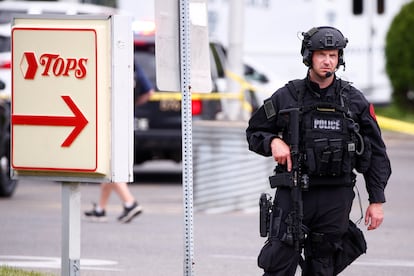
187,150
233,108
70,229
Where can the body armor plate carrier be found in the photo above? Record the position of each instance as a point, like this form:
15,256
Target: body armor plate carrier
330,140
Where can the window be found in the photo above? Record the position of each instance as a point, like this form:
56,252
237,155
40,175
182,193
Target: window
380,6
357,7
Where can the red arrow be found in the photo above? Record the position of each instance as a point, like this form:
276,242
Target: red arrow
78,121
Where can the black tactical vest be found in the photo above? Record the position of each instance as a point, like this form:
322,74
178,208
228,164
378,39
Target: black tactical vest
328,141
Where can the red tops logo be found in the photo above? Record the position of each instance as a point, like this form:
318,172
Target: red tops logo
53,64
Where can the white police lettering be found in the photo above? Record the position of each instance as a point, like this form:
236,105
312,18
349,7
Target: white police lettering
327,124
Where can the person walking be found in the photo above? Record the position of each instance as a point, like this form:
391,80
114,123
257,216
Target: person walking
131,208
338,135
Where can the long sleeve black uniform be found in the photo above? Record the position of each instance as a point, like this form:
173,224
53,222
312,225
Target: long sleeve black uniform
264,126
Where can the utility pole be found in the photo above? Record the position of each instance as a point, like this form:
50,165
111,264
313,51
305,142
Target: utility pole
233,108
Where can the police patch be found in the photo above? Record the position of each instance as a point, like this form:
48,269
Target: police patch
269,109
327,124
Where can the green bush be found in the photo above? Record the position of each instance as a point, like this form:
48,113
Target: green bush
399,53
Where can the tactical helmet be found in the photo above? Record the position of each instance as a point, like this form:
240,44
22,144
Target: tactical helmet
322,38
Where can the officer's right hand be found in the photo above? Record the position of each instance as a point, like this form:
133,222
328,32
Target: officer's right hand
281,153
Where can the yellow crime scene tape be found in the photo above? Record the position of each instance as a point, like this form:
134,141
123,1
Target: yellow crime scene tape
244,86
4,96
395,125
385,123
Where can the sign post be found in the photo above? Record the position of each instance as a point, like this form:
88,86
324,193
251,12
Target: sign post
176,33
71,201
72,108
187,134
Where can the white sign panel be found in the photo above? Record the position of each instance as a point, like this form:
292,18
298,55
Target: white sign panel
168,46
61,95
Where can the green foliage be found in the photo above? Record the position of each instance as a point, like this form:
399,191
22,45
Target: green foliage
9,271
395,112
399,53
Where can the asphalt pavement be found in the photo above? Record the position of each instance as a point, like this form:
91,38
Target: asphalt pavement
153,243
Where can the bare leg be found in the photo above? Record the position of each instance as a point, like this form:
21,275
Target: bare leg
121,188
106,189
131,208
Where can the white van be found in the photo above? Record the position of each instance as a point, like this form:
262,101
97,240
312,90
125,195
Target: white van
272,36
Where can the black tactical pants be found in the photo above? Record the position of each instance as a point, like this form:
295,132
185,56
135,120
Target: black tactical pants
326,211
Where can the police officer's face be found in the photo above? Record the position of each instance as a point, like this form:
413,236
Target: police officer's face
324,61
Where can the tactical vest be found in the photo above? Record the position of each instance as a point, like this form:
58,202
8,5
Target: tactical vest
330,141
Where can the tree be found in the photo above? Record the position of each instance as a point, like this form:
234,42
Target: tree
399,53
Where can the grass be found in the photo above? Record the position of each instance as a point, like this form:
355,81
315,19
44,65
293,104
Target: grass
394,112
9,271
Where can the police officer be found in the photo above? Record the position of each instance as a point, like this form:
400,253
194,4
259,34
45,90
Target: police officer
338,134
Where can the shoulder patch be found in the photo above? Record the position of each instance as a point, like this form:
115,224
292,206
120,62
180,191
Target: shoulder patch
269,109
372,112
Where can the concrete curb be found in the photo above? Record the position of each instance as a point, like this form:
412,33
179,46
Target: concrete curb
395,125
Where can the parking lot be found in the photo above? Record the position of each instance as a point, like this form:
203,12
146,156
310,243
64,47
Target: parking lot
224,243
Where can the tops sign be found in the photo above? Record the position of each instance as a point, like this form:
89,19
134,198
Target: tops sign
61,91
53,64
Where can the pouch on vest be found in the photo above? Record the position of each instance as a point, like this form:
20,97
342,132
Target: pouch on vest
327,157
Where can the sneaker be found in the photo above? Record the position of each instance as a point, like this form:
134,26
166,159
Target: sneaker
95,216
130,213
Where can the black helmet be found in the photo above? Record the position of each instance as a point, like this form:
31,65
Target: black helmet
322,38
